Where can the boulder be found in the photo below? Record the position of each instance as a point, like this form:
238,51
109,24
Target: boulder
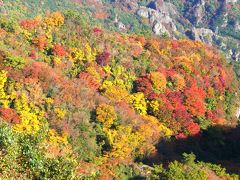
159,29
143,12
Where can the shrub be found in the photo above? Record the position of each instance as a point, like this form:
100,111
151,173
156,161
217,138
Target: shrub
188,170
127,172
22,158
9,152
15,62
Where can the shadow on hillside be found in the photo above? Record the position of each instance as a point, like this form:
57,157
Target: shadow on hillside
218,145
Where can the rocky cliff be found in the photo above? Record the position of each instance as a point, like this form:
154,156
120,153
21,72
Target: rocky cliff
212,22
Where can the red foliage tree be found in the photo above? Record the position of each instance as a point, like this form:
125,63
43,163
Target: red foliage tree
33,54
103,58
40,42
144,85
89,80
193,129
174,44
220,80
195,99
9,115
30,24
97,30
175,99
58,50
181,136
181,115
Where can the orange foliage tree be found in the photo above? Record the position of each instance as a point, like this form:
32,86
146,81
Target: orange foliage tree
195,99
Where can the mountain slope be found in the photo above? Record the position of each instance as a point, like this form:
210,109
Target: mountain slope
213,22
79,102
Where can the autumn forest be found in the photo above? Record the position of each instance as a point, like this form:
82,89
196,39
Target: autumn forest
78,101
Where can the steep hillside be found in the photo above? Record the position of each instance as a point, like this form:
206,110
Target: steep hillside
82,102
213,22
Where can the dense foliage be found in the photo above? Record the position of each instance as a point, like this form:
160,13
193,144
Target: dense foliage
81,102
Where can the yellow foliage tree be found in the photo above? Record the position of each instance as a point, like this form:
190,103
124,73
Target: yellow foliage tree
56,144
124,142
30,116
121,77
186,63
60,112
53,20
154,106
90,53
85,53
138,102
7,93
77,55
92,71
163,130
3,96
159,81
113,92
57,139
106,115
178,82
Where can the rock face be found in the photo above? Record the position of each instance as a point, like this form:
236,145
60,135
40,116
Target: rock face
238,113
204,35
235,54
159,29
163,7
237,26
231,1
143,12
201,20
199,11
127,5
122,27
196,13
159,15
